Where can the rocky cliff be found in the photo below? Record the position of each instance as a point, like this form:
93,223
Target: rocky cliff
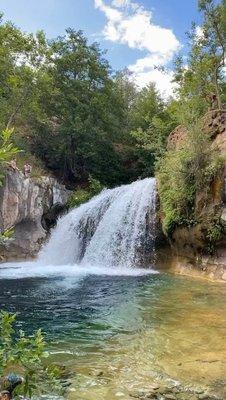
188,249
30,207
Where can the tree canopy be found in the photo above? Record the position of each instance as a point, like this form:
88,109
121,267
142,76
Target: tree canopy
80,119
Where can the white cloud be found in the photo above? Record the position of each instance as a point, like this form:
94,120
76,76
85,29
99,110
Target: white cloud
131,24
121,3
148,62
199,32
162,79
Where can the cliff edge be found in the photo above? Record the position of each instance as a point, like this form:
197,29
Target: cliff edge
30,207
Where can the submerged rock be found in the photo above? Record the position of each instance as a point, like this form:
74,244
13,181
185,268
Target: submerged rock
8,384
178,392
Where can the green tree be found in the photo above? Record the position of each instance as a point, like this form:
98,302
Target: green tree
203,77
83,114
152,121
214,41
21,56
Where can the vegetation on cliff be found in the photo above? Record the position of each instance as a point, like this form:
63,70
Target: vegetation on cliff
189,170
76,118
183,174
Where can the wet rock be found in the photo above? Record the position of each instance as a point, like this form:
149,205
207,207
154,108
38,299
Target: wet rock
8,384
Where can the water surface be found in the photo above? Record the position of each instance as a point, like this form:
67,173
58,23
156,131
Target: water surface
118,334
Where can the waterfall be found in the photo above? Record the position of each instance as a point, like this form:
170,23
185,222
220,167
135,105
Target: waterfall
114,229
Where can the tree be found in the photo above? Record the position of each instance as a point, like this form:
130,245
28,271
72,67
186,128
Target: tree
147,105
83,113
201,80
152,121
214,40
21,56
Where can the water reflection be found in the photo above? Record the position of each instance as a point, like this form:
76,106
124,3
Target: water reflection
117,334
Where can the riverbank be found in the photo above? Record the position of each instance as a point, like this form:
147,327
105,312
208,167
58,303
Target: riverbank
211,268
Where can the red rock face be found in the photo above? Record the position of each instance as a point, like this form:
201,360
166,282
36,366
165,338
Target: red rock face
214,125
177,138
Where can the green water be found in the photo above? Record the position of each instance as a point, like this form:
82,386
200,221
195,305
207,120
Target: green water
118,335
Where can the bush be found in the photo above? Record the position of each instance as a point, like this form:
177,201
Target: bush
7,151
213,235
176,191
80,196
184,172
25,355
6,236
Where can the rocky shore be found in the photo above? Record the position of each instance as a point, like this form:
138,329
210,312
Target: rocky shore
176,392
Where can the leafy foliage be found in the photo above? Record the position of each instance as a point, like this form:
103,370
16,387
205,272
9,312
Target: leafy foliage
80,196
26,355
201,80
6,236
182,174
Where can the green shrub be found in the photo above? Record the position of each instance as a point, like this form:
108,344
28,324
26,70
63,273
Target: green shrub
214,234
176,190
183,173
80,196
7,151
95,186
6,236
26,355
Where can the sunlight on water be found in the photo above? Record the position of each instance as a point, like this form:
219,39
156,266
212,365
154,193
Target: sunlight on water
117,334
117,328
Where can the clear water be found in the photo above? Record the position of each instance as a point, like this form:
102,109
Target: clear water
114,326
118,334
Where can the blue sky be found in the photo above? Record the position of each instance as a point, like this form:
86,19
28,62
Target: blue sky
136,33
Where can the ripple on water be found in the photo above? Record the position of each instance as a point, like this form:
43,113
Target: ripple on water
117,334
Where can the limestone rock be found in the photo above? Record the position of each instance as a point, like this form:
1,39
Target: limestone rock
23,202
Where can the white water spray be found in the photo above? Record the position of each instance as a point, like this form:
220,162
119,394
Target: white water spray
114,232
111,230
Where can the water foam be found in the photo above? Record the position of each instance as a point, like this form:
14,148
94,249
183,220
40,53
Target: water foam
111,235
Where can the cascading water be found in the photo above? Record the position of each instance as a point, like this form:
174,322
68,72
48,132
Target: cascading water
113,229
112,234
